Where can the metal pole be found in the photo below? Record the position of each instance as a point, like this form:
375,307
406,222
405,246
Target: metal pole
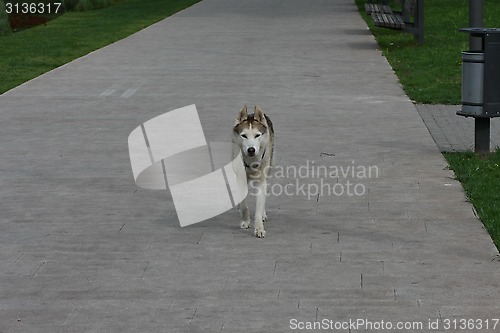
481,125
482,135
476,21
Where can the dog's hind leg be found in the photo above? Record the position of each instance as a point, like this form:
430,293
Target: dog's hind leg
245,215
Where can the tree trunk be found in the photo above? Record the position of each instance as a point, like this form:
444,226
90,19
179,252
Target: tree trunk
4,20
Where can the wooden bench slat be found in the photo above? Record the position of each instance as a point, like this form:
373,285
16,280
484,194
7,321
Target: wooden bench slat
369,8
400,23
386,9
388,20
376,8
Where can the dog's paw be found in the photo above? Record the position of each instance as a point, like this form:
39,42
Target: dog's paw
260,233
245,224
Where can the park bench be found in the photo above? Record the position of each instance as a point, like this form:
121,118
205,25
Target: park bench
410,19
371,7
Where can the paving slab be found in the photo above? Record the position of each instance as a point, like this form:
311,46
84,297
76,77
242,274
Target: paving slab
83,249
453,133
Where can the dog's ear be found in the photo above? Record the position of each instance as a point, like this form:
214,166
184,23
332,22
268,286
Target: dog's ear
242,116
259,115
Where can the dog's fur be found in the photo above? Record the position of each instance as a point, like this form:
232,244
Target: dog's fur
254,135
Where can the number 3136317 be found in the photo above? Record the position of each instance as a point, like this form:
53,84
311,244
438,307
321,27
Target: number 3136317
470,324
33,8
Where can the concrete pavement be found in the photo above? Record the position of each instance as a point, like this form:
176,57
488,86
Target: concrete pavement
451,132
82,249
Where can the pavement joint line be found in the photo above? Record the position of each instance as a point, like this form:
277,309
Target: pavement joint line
39,268
107,92
129,92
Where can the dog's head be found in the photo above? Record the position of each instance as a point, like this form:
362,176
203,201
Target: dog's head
251,131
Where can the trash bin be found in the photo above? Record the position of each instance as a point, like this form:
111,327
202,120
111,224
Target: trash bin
481,75
472,82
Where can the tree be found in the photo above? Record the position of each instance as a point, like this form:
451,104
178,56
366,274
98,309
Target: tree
4,20
91,4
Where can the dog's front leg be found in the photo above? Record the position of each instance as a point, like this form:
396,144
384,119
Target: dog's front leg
260,210
245,215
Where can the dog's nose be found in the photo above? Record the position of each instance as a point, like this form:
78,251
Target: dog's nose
251,151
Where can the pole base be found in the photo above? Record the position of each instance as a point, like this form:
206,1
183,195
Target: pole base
482,135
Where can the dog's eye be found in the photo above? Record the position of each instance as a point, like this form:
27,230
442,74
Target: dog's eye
257,135
244,136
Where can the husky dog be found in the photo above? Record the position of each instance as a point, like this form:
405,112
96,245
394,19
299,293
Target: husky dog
254,135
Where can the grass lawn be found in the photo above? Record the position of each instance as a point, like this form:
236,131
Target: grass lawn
480,178
431,73
32,52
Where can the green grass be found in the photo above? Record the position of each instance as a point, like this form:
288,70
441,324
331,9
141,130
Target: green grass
431,73
480,177
32,52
